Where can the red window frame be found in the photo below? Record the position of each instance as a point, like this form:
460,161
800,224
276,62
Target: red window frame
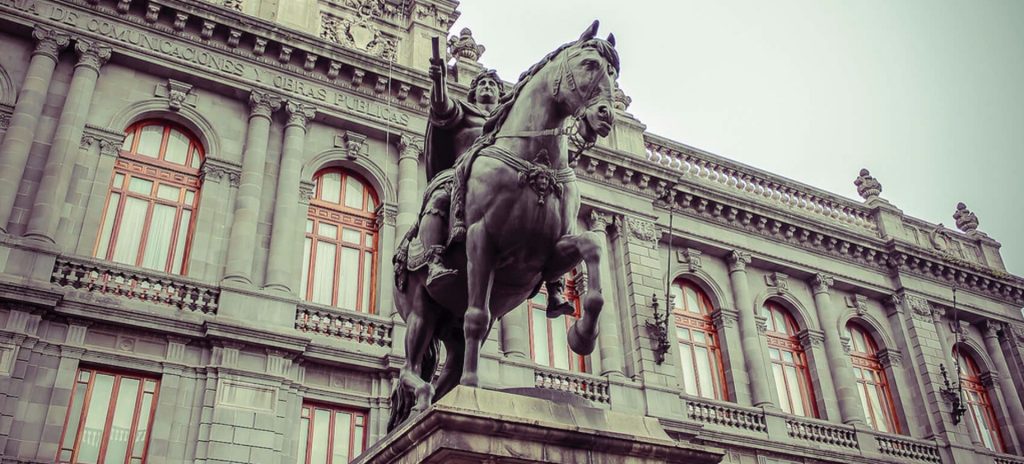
160,173
691,309
359,421
324,212
979,403
555,330
871,380
78,417
782,340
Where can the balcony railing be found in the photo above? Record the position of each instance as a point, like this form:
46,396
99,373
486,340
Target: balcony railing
1007,459
720,173
908,448
139,284
343,324
730,416
835,435
589,387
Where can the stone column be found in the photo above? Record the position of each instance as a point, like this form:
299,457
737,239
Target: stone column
613,360
53,187
750,338
839,363
515,333
287,230
410,148
242,244
22,130
1011,392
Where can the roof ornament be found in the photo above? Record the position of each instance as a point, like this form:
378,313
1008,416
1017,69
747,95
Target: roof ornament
966,221
464,47
867,186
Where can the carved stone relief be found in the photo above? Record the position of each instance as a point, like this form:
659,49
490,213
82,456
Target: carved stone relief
359,33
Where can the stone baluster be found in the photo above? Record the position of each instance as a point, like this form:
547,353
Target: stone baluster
1011,392
286,233
410,148
613,361
242,245
53,187
750,338
839,363
22,130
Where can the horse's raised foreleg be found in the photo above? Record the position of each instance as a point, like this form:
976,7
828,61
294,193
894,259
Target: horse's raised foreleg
479,279
568,252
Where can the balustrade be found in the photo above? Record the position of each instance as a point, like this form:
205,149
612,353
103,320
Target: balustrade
908,448
726,415
589,387
822,433
139,284
347,325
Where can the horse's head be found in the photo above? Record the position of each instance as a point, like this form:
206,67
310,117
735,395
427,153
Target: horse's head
585,83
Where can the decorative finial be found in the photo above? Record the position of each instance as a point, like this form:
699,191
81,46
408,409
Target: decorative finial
622,100
464,47
966,221
867,186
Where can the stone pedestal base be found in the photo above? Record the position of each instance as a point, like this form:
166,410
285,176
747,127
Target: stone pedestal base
472,425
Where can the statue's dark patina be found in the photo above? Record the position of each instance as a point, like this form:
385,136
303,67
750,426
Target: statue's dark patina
513,209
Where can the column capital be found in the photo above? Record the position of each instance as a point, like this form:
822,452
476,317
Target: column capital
598,221
91,54
989,379
937,312
738,260
263,104
890,357
306,191
216,170
822,282
723,318
810,338
410,146
991,328
49,42
299,114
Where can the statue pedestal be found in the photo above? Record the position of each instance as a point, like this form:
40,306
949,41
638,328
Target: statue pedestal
473,425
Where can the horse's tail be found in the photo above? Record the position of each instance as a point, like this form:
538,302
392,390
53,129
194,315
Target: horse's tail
402,399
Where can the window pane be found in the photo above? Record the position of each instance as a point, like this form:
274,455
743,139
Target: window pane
368,241
691,300
370,204
129,236
179,245
149,140
140,186
323,273
349,278
168,192
74,415
798,393
142,430
780,322
108,225
321,431
303,439
96,418
541,354
306,250
780,388
190,197
177,148
704,373
350,236
676,293
196,158
121,425
118,181
330,187
699,337
876,409
689,374
367,280
866,406
327,230
158,241
128,139
358,439
342,421
353,193
559,343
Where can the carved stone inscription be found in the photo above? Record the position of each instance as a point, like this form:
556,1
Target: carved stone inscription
186,52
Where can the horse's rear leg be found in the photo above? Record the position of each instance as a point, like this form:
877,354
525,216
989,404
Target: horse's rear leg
455,347
418,336
479,278
568,251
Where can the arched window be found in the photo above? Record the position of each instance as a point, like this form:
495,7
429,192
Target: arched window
699,352
978,403
872,384
339,257
549,345
153,197
789,362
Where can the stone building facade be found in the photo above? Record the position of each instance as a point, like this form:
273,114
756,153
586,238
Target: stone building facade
175,174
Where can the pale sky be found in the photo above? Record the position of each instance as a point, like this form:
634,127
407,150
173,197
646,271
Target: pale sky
928,95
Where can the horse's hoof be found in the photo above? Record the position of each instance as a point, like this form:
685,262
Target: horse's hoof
578,343
560,310
470,381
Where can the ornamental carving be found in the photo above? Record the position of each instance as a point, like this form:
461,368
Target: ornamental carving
233,5
352,143
738,260
410,146
690,257
723,318
641,231
49,42
867,186
358,33
621,100
91,54
966,221
811,339
599,221
888,357
821,282
299,114
5,120
263,104
859,304
921,308
177,94
464,46
777,281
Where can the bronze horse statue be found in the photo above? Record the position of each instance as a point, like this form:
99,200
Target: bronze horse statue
514,208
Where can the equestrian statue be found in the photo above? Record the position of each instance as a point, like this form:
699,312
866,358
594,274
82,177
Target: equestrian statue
499,213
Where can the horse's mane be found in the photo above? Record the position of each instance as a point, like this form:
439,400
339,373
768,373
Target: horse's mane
497,119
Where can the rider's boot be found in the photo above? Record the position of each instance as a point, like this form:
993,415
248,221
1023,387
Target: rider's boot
436,270
557,304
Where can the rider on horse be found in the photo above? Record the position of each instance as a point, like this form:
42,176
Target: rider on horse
453,127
